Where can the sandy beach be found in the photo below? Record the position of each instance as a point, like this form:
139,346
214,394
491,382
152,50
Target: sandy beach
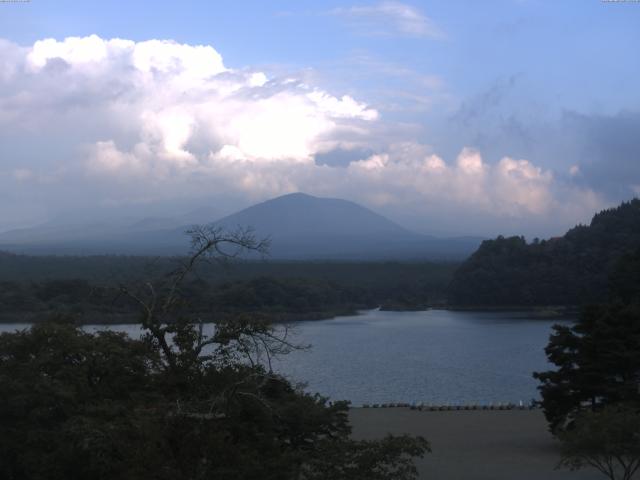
474,445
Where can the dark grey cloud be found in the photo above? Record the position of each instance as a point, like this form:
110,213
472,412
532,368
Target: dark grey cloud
607,150
599,151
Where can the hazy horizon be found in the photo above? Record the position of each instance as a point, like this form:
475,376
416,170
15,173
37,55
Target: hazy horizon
186,216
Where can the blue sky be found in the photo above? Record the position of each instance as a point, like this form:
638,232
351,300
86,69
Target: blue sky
549,83
574,52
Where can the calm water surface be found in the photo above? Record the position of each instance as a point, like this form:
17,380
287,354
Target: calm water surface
435,356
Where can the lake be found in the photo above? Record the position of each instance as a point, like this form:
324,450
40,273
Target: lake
434,356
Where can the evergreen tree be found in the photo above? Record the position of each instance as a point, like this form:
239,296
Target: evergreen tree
597,359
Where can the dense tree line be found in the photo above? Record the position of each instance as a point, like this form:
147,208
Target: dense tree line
279,295
263,294
569,270
119,268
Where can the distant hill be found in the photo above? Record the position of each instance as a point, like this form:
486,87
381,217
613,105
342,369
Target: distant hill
301,227
569,270
90,238
141,236
305,227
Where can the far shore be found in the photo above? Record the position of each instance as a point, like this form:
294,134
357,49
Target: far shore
473,445
125,318
542,312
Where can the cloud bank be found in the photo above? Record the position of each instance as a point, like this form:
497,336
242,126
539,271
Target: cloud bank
91,121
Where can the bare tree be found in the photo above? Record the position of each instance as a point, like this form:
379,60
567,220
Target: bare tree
181,339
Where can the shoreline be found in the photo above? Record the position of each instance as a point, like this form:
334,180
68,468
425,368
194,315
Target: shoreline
447,407
527,312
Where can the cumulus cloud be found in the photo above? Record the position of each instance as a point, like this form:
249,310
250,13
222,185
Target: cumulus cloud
174,101
391,18
509,187
95,121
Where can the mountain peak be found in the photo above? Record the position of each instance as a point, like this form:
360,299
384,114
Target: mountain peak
301,197
302,215
294,195
291,197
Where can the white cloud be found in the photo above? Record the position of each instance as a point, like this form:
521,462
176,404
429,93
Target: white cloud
106,158
177,102
507,188
470,162
391,17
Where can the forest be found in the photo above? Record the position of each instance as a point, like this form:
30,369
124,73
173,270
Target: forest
89,288
570,270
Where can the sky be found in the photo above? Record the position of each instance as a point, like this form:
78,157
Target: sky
450,117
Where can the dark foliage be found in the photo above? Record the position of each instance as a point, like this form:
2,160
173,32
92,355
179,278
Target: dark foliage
607,440
598,363
569,270
597,359
284,291
82,406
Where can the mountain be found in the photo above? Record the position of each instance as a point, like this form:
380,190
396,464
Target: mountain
570,270
300,215
137,236
300,227
146,236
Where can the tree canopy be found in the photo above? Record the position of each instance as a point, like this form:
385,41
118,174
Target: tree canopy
569,270
33,287
598,358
